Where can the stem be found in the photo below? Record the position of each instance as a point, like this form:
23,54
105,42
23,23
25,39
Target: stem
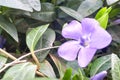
35,59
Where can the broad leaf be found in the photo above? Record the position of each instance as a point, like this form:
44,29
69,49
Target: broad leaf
109,2
88,7
47,13
26,5
23,71
9,28
47,69
72,13
45,41
34,35
115,65
3,60
100,64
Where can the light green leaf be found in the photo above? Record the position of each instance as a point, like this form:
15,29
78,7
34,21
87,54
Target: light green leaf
88,7
9,28
68,74
101,12
23,71
3,60
100,64
103,21
47,13
115,65
109,2
34,35
47,69
72,13
45,41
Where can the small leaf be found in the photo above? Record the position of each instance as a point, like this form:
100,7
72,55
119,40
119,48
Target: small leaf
72,13
100,64
68,74
23,71
103,21
115,65
34,35
100,12
47,69
109,2
45,41
3,60
9,28
88,7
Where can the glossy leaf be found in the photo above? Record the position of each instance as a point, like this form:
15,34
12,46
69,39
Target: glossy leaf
100,64
115,65
68,74
47,69
88,7
3,60
47,13
9,28
109,2
34,35
72,13
23,71
45,41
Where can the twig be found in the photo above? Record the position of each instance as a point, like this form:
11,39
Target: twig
40,74
7,54
18,59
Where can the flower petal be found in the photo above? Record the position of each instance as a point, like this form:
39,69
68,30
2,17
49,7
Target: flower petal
99,76
69,50
100,38
2,41
72,30
88,25
85,56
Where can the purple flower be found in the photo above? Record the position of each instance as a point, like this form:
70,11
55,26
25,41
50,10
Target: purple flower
99,76
87,37
116,22
2,41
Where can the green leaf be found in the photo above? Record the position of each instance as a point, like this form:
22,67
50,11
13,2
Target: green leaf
115,65
47,69
45,41
23,71
102,16
101,12
47,13
79,76
68,74
100,64
88,7
3,60
34,35
109,2
103,21
71,13
9,28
